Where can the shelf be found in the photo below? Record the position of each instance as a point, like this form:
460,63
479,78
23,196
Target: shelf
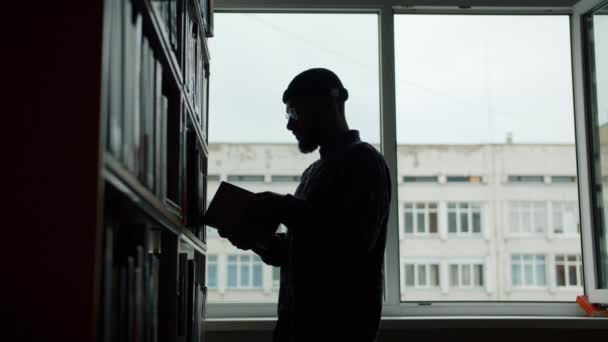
115,174
197,128
202,27
192,240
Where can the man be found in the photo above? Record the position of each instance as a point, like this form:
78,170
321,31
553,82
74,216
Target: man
332,256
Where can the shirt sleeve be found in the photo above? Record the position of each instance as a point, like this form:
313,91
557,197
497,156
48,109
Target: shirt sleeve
274,251
358,204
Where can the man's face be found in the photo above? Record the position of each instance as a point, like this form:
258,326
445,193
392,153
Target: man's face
303,124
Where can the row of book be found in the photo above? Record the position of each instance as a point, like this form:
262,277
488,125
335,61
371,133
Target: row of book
196,65
131,289
195,200
192,298
138,104
168,13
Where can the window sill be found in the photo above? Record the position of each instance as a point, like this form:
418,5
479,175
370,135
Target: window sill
426,323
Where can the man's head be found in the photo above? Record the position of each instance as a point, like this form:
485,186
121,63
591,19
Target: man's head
315,107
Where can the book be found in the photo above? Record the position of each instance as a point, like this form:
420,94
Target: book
227,208
592,310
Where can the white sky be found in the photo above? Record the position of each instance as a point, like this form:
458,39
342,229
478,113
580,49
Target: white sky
459,79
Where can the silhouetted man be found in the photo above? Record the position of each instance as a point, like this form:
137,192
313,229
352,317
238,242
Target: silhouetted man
332,256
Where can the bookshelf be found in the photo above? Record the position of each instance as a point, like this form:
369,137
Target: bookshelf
154,118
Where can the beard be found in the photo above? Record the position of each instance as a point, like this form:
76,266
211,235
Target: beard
307,146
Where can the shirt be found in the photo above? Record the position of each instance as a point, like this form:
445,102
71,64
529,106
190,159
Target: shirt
332,256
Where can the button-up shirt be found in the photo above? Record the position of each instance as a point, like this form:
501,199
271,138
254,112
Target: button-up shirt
332,256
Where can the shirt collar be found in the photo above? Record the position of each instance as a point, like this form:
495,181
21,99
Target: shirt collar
339,143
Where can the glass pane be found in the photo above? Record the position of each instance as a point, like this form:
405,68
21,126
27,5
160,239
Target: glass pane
433,222
478,275
257,275
476,223
420,223
245,275
248,139
464,222
452,223
516,274
598,71
572,275
466,275
422,275
560,275
232,275
212,276
434,275
409,223
541,275
454,275
528,274
409,275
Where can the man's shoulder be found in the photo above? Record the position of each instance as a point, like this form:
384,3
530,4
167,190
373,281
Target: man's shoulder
365,151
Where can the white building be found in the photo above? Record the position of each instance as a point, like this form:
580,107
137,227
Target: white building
477,222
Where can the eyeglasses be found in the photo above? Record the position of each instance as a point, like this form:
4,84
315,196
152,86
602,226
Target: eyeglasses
291,114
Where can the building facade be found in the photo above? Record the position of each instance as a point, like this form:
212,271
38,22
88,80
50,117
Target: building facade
492,222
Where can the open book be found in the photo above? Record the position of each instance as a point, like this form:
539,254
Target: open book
228,206
227,210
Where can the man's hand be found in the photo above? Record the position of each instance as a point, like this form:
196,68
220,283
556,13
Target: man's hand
265,212
240,241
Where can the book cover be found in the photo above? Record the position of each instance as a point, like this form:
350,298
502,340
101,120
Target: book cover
227,207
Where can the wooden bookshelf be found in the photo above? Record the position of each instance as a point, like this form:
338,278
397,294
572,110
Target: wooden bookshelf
154,161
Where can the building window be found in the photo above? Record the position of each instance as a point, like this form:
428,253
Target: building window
527,217
464,179
276,277
213,178
563,179
244,271
526,179
420,218
212,271
245,178
466,275
285,179
420,179
568,270
528,270
421,275
464,218
565,218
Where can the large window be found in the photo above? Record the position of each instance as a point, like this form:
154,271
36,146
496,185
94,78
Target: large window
568,271
255,56
528,270
420,218
488,96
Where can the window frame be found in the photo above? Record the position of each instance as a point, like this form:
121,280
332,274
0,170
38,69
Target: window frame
386,11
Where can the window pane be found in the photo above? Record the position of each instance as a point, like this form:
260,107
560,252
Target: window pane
452,223
464,222
529,274
572,276
422,275
516,274
560,275
476,223
466,275
454,275
232,275
212,276
433,222
244,275
478,275
434,275
598,107
257,275
248,139
409,223
409,275
420,223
